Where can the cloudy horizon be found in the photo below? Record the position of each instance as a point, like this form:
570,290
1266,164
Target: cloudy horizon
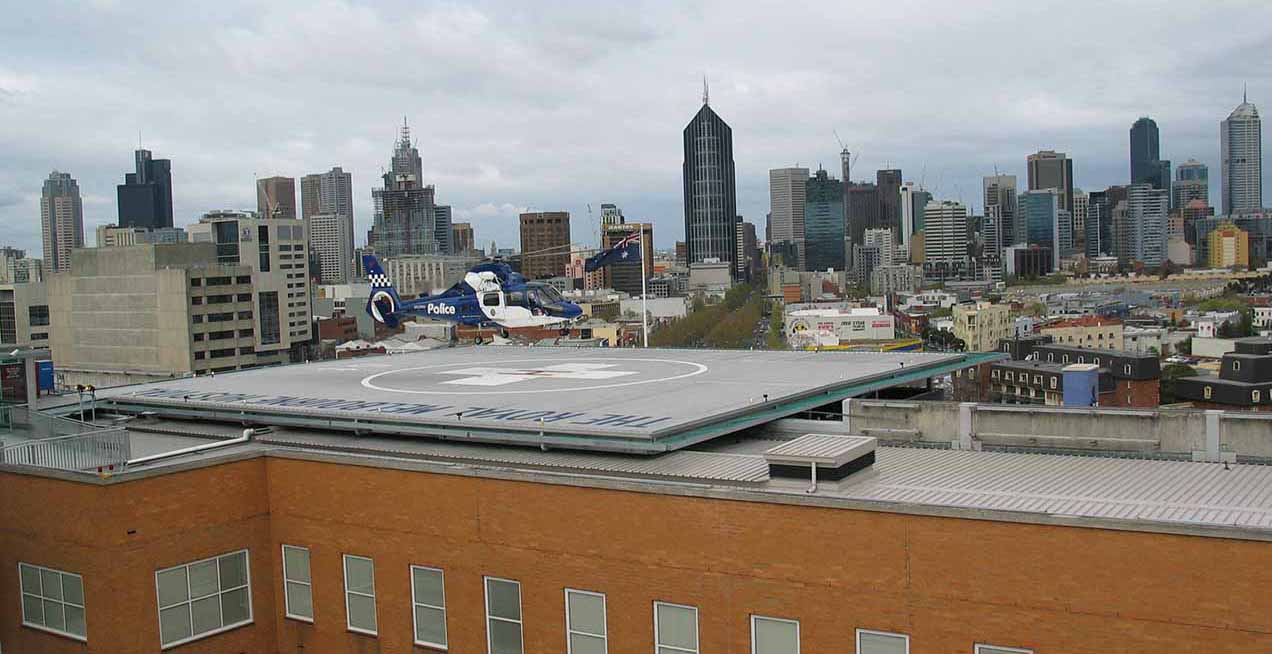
554,108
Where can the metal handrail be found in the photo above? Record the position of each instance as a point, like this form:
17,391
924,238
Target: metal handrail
96,451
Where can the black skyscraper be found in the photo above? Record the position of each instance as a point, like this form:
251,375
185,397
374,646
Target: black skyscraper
145,197
710,195
1147,165
888,183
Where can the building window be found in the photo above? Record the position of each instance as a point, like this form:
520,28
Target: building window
359,578
38,315
994,374
52,600
585,631
880,642
298,589
428,599
1255,396
268,311
1038,380
995,649
503,616
203,598
1205,392
1236,365
1053,383
675,628
1051,356
1097,361
1126,369
1066,358
774,636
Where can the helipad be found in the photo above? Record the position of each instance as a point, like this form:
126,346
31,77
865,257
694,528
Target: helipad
619,400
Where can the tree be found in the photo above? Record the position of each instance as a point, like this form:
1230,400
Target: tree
1171,374
1185,346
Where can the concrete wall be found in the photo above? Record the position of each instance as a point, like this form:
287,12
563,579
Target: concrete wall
1205,435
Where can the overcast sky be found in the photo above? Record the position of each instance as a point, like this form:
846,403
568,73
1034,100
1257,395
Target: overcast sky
558,105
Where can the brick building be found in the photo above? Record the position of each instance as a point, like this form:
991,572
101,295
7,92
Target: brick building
310,537
1086,331
1126,379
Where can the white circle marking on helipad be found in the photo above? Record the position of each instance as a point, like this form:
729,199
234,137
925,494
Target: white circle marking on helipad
368,381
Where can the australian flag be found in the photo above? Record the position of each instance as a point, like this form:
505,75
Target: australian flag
627,249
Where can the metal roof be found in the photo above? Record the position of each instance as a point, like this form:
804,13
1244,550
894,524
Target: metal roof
1184,492
622,400
825,449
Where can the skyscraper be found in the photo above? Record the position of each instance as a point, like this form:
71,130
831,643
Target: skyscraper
1147,209
823,223
863,212
625,276
747,264
1192,182
710,192
276,197
329,192
611,214
61,220
1040,212
888,183
145,197
913,202
1241,145
1000,203
462,239
1081,205
1146,161
405,217
545,244
1051,169
944,239
788,188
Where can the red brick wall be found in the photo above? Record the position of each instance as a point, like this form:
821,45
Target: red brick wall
946,582
1128,393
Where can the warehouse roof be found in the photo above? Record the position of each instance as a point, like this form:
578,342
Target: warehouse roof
615,400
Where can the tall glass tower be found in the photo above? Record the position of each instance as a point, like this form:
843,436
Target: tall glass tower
710,193
1241,144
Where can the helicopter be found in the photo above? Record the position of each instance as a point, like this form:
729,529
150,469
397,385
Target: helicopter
490,294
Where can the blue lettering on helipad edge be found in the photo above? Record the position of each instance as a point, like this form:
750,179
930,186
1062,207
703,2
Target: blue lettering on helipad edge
505,414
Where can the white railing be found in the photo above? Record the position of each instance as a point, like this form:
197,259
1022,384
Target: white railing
96,451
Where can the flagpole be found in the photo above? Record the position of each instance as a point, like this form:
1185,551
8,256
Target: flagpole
644,295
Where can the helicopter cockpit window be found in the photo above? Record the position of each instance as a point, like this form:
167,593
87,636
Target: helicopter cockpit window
550,295
490,300
517,298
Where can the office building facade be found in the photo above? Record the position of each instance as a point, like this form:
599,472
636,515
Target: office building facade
1040,211
788,189
1147,165
1049,169
406,216
888,183
328,193
331,244
823,223
710,194
463,241
625,276
276,197
276,252
1229,247
945,253
1147,209
545,244
145,197
1192,182
1000,202
1241,153
61,220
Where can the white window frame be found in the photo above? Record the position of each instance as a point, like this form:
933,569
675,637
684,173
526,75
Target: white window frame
344,570
981,647
569,628
415,628
485,587
287,613
40,569
251,613
881,633
755,617
697,631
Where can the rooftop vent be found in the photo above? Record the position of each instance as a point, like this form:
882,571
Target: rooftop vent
828,456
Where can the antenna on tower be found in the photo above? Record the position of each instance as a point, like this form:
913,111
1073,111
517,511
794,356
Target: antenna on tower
1244,87
706,91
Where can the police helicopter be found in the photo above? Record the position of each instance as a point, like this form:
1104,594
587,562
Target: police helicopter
490,294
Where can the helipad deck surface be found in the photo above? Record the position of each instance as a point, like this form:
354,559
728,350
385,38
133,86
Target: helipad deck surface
625,400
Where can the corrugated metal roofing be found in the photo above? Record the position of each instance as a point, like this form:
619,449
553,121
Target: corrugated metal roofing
707,467
821,448
1126,489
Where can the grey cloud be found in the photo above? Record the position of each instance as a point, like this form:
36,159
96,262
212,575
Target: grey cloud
557,105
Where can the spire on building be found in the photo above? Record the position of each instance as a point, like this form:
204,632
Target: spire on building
404,140
706,92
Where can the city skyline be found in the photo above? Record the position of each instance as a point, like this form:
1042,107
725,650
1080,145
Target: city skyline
569,143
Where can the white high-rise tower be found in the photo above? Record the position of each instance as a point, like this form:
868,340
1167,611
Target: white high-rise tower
1241,143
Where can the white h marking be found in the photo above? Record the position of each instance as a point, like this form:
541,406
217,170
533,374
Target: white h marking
501,376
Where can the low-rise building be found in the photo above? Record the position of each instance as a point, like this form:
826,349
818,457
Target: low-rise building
1244,381
896,279
832,327
981,325
1086,331
424,274
1145,340
1135,377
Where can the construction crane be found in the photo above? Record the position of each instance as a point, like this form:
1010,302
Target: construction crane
844,156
